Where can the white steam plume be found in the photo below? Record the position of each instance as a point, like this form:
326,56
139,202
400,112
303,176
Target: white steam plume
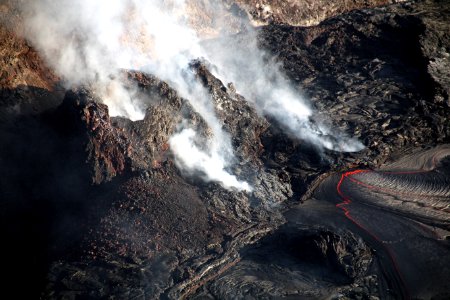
89,42
211,165
260,80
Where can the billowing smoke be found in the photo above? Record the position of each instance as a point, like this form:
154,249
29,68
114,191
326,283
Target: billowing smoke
81,40
212,165
90,42
259,79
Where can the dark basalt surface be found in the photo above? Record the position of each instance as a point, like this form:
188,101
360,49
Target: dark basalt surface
398,247
94,207
374,64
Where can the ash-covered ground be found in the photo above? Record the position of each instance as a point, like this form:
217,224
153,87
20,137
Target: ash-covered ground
95,206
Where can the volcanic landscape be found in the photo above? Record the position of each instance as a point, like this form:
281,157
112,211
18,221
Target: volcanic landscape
225,149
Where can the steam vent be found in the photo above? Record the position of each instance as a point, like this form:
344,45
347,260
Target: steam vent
225,149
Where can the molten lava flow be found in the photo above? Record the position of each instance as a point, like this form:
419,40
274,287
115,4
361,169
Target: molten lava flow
346,201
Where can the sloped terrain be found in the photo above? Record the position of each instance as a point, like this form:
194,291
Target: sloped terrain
304,12
94,206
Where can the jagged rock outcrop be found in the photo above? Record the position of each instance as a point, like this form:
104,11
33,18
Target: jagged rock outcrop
209,18
27,85
133,197
107,148
303,12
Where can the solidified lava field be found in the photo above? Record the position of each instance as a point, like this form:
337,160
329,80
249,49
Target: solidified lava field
405,212
225,149
390,224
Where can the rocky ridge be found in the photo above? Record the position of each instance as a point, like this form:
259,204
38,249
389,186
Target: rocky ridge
303,13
